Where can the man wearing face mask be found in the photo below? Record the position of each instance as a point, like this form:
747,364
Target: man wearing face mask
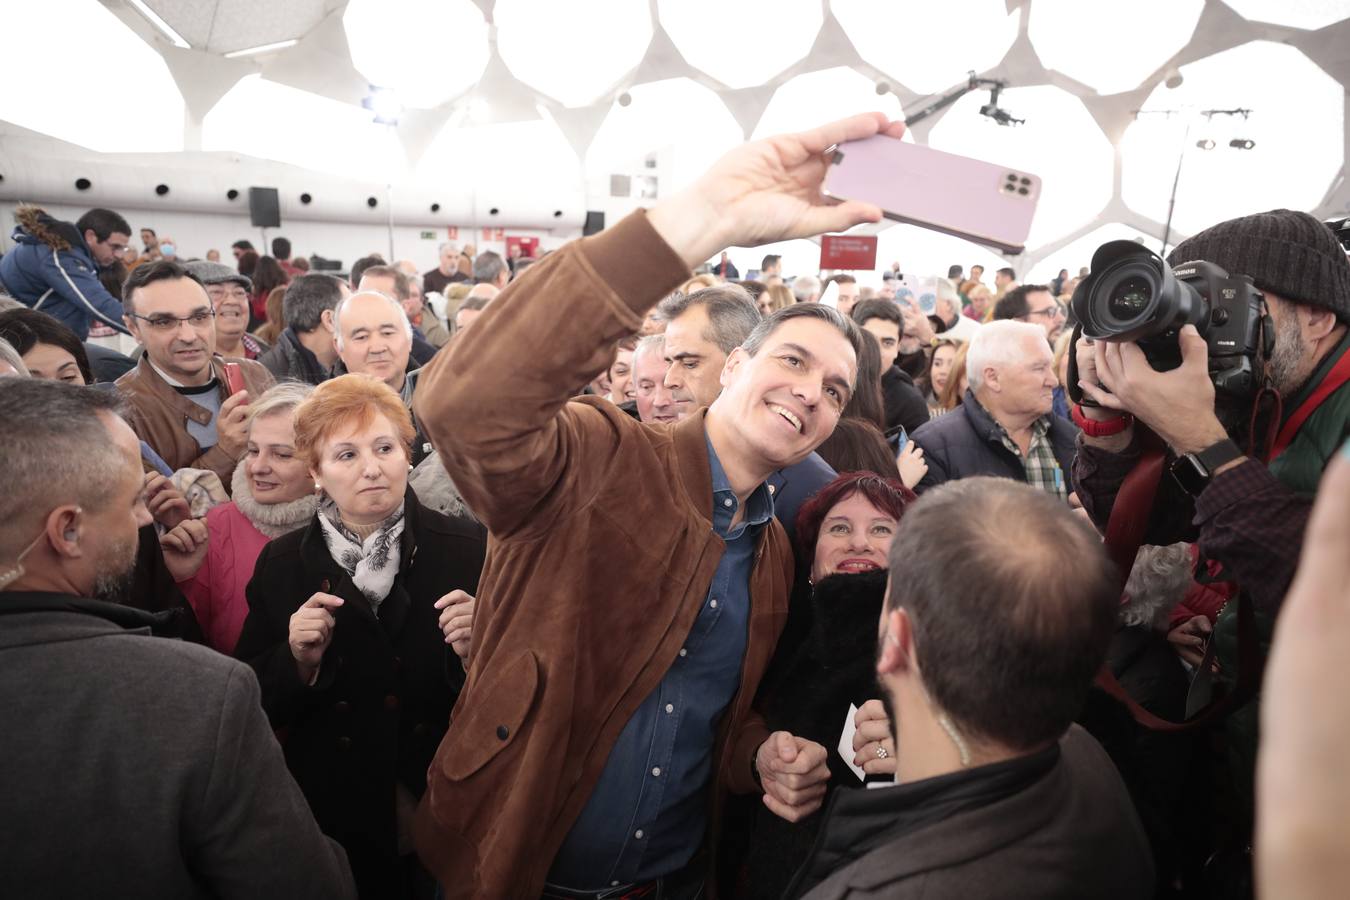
181,740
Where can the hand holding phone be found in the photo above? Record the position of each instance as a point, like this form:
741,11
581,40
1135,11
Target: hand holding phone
234,378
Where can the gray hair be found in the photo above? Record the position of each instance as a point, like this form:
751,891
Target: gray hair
279,398
997,343
449,245
401,289
54,449
1158,582
946,292
732,315
652,343
488,267
10,355
342,304
306,298
803,286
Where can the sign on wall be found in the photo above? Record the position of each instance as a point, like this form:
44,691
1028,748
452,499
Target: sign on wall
848,251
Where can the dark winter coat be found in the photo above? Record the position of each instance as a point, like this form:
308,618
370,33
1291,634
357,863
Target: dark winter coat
386,685
966,443
834,668
904,403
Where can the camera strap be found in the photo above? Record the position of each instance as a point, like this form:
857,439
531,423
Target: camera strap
1333,382
1125,532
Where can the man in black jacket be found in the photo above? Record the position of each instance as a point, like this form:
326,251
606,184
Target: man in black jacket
986,651
1004,426
159,749
905,406
306,350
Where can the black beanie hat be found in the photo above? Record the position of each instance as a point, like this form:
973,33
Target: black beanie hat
1288,253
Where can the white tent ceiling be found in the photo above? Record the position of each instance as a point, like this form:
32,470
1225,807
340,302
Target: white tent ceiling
615,86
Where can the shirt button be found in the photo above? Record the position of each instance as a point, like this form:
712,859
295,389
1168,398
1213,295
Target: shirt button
728,502
713,604
639,834
656,773
772,488
670,708
684,651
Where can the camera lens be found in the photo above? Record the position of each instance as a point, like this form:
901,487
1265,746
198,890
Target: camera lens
1129,298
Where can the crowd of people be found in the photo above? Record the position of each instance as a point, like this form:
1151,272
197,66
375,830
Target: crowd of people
612,574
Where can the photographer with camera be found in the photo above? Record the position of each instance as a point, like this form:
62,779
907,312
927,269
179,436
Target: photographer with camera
1237,360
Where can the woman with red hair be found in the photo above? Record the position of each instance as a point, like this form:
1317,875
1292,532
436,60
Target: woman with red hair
350,628
844,534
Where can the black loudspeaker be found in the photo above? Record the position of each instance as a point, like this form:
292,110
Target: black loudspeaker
264,207
595,223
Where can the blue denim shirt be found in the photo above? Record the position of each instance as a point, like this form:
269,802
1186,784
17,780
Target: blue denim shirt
646,817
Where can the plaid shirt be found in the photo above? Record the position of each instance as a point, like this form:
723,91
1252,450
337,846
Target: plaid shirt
1042,468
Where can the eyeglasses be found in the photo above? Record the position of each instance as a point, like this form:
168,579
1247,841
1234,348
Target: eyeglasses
1050,312
199,319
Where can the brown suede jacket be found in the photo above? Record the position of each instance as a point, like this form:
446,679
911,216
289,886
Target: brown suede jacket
601,553
161,414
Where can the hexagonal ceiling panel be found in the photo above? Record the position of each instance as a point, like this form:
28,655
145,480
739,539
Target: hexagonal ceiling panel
929,47
744,43
547,45
1295,124
222,26
682,121
806,101
274,121
1310,14
1060,142
54,83
1145,34
535,151
426,51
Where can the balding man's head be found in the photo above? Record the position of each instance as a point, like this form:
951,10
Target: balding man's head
1012,602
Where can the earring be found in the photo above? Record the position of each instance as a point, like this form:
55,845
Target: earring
317,486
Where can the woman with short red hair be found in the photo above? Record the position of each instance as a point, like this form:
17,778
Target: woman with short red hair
351,626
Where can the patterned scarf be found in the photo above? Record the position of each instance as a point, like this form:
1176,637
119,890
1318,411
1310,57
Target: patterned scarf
372,563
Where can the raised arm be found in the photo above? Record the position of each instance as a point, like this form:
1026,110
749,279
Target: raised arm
510,449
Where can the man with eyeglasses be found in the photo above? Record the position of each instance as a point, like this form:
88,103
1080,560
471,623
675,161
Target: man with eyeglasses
54,266
1035,304
229,293
178,393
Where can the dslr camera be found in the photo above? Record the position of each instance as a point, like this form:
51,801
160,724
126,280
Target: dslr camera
1131,294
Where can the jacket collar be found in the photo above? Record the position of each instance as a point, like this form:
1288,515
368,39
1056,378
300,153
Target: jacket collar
692,465
152,383
984,423
97,614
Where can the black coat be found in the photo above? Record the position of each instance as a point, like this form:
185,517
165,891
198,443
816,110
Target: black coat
966,443
386,685
835,667
905,405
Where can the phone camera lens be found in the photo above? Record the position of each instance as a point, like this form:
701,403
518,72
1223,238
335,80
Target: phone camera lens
1026,182
1023,191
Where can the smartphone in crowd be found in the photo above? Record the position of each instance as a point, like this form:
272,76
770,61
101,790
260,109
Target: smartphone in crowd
234,378
968,198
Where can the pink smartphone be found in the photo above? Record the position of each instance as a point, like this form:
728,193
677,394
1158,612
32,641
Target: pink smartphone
234,378
956,195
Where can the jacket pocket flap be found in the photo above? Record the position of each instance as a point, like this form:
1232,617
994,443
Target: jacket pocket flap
492,718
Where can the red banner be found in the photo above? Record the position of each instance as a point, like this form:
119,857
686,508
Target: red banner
847,251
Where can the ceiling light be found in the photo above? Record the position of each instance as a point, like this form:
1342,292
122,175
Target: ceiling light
263,48
1205,144
1242,144
559,52
742,44
430,51
153,18
1144,36
385,104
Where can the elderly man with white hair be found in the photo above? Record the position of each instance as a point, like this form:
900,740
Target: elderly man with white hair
806,288
1004,426
374,337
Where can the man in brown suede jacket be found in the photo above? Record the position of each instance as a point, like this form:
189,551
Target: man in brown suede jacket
636,581
182,406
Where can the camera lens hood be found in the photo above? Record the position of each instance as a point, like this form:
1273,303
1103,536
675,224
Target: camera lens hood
1130,294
